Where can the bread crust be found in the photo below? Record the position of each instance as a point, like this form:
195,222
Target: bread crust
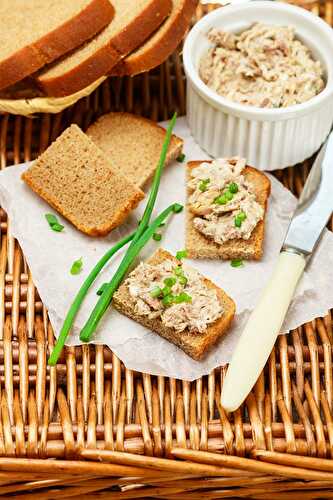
58,42
200,247
195,345
101,62
140,60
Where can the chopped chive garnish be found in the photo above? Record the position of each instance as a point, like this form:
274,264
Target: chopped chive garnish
77,266
182,297
233,188
221,200
181,158
179,271
156,292
101,289
181,254
157,236
170,281
204,184
166,291
182,280
54,223
229,196
239,219
237,263
168,300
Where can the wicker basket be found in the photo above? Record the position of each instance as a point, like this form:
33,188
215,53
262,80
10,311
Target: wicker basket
179,442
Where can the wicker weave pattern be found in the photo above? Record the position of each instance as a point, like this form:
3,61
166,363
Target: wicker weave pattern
91,402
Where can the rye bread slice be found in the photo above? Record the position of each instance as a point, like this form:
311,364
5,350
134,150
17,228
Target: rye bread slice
133,23
200,247
134,144
75,177
37,32
196,344
162,43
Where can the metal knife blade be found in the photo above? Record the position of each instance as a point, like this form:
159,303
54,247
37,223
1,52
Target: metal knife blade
315,204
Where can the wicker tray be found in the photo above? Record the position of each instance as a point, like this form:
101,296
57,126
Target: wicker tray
91,408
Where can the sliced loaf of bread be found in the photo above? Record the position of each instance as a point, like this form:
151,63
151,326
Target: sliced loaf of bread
133,144
162,43
133,22
36,32
75,177
200,247
195,344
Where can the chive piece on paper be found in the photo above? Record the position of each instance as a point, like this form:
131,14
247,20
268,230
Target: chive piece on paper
157,236
54,223
181,158
77,266
237,263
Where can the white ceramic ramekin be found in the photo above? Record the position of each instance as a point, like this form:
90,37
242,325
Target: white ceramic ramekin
267,138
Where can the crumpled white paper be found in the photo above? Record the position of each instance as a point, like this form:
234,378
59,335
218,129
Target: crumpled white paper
50,256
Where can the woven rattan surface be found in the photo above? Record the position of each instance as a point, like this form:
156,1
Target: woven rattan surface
91,408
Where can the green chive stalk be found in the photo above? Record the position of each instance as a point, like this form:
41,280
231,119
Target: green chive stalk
156,183
107,295
109,290
76,304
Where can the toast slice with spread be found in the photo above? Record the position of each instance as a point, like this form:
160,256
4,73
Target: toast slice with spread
194,343
201,247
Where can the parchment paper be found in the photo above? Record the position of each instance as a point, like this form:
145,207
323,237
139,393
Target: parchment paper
50,256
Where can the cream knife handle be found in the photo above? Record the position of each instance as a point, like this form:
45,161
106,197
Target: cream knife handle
261,330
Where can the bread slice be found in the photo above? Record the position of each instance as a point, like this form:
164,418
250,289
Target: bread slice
200,247
75,177
194,344
134,144
134,21
37,32
162,43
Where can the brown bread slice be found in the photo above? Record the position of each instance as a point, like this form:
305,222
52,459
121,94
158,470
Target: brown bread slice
133,143
194,344
133,22
162,43
75,177
36,32
200,247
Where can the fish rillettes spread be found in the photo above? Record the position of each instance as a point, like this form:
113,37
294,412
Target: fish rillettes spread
175,294
223,200
264,66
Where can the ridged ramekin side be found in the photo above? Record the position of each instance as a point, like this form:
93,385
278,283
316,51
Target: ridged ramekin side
267,145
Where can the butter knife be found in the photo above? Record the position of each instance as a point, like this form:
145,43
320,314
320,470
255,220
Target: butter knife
313,211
